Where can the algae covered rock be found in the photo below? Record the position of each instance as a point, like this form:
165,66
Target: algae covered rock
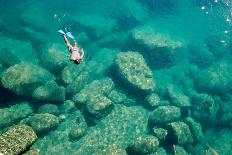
180,133
133,69
42,122
164,115
15,51
102,87
160,50
99,105
17,139
70,73
177,97
195,128
145,145
117,96
54,57
215,79
50,92
78,84
14,113
112,150
23,78
49,108
160,133
179,150
68,107
32,152
153,100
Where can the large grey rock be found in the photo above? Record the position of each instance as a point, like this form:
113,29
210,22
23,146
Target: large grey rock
133,69
42,123
50,92
195,128
54,57
145,144
121,127
215,79
180,133
48,108
99,105
14,113
177,97
97,87
23,78
160,50
205,109
16,140
164,115
15,51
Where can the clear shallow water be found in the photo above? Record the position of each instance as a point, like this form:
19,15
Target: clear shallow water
185,44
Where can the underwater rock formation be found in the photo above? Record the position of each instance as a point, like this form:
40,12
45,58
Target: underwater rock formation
160,133
179,133
164,115
48,108
14,113
68,107
215,79
11,51
17,139
53,57
177,97
94,97
50,92
98,105
153,100
133,69
103,86
24,78
112,150
70,73
145,145
42,123
195,128
78,84
160,50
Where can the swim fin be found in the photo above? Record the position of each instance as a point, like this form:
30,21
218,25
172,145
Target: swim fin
61,32
69,34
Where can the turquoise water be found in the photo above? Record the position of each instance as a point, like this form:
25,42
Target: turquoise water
156,77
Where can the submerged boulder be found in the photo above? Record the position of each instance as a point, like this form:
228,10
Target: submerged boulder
179,133
160,50
54,57
98,105
164,115
17,139
145,145
177,97
14,113
42,122
133,70
50,92
23,78
48,108
15,51
215,79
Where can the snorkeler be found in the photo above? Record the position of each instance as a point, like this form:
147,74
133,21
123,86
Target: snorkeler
77,54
